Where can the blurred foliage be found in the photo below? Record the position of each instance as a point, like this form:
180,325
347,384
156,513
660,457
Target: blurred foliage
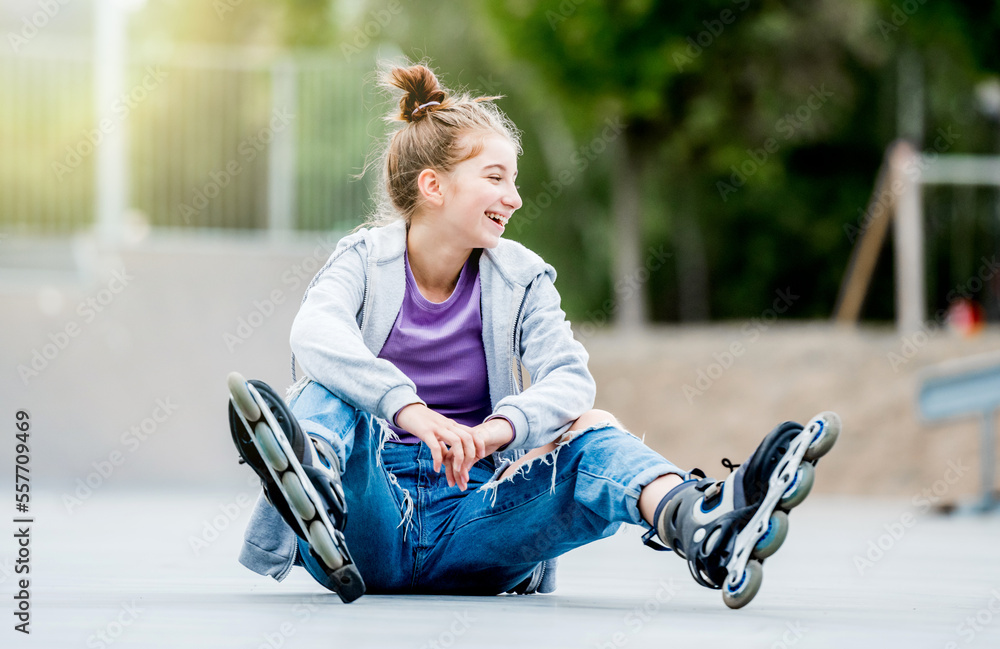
703,88
759,126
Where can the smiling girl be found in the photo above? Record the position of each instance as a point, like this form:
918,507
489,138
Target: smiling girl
413,340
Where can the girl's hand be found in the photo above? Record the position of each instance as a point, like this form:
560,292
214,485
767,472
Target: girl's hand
452,444
494,433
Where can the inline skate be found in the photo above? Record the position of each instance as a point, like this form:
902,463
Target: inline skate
300,475
725,529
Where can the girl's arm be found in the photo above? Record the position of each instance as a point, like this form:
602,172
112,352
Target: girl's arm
562,387
328,345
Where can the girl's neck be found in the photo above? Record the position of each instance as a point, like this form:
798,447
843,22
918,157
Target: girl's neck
436,265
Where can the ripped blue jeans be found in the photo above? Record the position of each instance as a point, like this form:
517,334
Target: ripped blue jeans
409,532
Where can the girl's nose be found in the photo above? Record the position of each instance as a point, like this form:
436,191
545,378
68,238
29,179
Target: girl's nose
513,201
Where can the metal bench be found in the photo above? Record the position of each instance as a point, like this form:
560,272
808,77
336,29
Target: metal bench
964,388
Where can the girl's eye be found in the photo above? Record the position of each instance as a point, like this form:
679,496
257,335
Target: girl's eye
496,178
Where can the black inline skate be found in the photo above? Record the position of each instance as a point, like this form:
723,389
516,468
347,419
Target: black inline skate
300,475
726,529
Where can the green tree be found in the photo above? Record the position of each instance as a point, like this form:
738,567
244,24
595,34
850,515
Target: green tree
695,96
701,90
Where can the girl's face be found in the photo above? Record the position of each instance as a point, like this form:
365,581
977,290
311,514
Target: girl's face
479,195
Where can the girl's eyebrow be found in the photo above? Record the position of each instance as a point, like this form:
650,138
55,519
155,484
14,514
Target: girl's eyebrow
498,166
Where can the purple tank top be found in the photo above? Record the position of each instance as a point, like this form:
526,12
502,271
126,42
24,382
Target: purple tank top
439,346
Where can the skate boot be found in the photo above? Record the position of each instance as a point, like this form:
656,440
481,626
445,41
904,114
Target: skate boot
300,475
726,529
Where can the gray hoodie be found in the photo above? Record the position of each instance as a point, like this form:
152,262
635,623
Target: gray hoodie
347,314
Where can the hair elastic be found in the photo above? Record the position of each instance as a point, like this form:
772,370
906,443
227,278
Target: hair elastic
430,103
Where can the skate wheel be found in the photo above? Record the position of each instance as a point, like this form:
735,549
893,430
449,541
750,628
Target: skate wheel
801,485
242,398
825,438
269,447
297,498
323,545
777,530
746,590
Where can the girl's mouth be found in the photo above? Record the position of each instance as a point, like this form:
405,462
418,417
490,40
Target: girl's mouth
499,219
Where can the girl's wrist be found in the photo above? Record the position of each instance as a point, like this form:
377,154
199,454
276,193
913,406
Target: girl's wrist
395,418
505,433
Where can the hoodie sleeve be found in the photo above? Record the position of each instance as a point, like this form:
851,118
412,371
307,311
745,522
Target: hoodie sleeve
328,344
562,387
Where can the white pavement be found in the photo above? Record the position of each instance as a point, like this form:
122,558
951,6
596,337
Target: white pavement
159,570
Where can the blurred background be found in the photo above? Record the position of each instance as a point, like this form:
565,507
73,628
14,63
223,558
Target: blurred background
758,210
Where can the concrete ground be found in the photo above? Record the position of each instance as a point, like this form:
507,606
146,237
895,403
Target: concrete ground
159,570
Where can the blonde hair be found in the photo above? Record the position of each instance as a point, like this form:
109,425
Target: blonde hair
435,129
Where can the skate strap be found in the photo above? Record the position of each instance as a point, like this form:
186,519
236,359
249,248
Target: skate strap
647,540
727,463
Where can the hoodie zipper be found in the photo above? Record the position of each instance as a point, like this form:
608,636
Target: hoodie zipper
369,278
515,365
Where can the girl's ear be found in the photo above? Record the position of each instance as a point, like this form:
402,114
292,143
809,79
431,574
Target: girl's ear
431,190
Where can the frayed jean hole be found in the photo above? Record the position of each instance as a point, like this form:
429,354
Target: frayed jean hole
570,435
406,507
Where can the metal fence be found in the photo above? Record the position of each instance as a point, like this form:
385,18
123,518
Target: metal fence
35,128
215,138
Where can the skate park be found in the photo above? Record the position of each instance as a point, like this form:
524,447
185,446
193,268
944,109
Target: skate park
121,327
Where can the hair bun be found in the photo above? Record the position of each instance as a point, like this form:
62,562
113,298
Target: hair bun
422,93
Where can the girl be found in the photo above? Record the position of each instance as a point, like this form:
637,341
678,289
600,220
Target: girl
413,339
